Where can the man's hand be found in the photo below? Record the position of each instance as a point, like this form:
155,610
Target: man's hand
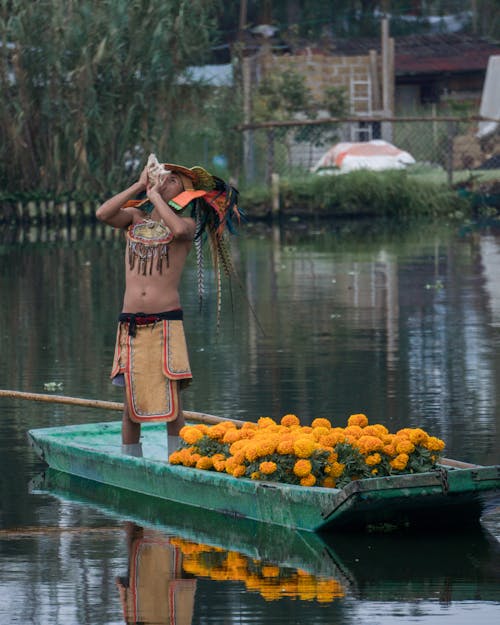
143,178
156,189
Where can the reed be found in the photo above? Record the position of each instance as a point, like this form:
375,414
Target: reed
88,87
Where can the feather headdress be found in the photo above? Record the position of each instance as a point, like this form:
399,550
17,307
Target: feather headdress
214,206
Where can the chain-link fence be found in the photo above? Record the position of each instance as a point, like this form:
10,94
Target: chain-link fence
447,149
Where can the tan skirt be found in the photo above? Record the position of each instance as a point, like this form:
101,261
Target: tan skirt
155,365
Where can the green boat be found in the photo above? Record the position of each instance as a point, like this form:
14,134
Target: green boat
461,565
456,493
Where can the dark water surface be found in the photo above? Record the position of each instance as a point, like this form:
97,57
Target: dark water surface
401,323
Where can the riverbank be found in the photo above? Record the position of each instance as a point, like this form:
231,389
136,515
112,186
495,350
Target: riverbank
372,194
357,194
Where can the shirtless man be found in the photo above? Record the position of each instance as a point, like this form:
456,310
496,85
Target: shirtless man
154,262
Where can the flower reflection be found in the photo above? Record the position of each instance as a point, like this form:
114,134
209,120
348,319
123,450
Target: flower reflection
271,581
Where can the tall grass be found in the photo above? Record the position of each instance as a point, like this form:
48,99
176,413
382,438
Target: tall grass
88,85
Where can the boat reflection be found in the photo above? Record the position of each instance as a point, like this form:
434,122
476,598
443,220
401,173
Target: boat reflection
173,545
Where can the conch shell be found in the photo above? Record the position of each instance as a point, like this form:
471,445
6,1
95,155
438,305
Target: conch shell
156,171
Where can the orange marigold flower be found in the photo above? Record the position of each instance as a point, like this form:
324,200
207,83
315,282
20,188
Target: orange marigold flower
336,435
216,432
267,445
329,482
306,429
302,468
185,456
231,436
251,452
353,431
190,434
373,459
327,440
375,430
268,468
358,419
418,436
264,422
230,464
405,446
285,446
239,457
399,462
237,446
175,458
404,433
434,444
239,470
336,469
191,459
247,433
308,480
219,465
390,449
255,475
205,463
303,447
320,422
368,444
320,432
290,419
200,426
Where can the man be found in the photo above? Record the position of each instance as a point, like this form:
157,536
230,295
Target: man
151,359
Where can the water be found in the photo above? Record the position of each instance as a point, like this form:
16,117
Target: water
401,323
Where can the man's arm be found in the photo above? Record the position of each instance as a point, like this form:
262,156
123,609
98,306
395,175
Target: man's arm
110,212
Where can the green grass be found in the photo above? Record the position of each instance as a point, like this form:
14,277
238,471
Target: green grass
391,193
427,173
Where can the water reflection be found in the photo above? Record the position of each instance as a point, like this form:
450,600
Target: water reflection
398,322
171,546
269,579
158,588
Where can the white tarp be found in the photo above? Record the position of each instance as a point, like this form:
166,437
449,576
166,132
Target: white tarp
490,100
376,155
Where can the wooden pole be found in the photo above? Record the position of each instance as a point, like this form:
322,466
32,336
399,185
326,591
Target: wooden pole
386,79
106,405
275,193
375,80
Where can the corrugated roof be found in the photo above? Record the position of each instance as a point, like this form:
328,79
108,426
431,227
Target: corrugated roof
432,53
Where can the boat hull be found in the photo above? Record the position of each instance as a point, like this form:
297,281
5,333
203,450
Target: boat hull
93,451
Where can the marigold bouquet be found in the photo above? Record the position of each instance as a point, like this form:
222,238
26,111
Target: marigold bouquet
315,455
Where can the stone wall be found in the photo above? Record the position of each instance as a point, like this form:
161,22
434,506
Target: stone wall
321,71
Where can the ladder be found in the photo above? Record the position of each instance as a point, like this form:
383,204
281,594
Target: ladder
360,98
